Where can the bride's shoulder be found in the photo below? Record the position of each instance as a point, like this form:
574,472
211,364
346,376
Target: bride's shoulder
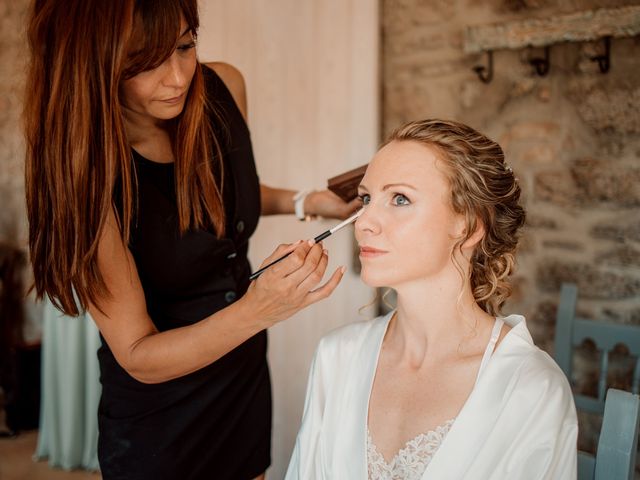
353,336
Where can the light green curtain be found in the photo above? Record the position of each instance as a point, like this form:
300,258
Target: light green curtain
68,435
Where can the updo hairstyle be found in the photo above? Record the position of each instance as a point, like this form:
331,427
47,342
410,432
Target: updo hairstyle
483,189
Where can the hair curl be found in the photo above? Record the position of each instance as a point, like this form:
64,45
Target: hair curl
485,191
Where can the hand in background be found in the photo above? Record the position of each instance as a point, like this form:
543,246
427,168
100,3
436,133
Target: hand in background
325,203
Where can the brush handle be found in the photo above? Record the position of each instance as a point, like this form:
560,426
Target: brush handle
257,273
322,236
318,239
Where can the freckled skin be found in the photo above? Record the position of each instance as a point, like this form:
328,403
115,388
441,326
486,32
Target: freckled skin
414,223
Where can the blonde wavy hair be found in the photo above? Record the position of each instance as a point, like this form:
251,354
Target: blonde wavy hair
483,189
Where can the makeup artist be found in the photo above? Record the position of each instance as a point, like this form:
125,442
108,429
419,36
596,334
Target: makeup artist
142,195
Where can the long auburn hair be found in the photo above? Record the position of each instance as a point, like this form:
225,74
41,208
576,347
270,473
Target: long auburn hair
77,153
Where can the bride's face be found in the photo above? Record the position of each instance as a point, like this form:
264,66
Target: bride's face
408,228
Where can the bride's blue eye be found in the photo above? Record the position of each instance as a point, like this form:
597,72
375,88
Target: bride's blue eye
364,198
399,200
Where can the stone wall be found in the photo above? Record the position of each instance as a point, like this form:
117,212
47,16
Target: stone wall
572,137
13,222
12,65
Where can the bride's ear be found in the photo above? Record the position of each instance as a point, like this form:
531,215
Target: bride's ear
476,236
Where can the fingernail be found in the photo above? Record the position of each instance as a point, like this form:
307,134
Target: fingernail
343,269
311,242
325,251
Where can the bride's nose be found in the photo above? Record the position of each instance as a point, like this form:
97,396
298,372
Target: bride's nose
367,222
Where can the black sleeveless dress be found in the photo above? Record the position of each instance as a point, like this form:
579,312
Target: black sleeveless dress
214,423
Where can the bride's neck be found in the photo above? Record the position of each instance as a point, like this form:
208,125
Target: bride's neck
435,319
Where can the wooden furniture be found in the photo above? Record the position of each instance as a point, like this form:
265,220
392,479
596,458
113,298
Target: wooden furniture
615,458
572,330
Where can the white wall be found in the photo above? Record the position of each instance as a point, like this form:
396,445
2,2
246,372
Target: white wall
311,68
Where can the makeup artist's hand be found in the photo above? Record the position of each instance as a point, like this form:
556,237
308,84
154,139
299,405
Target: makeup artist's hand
327,204
290,285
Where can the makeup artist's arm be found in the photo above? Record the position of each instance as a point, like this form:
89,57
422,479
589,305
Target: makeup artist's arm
152,357
322,203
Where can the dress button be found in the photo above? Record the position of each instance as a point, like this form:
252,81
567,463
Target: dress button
230,296
240,226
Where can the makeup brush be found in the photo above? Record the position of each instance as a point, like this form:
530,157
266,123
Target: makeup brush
317,239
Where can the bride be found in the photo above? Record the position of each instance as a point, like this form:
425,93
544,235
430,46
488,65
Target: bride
443,387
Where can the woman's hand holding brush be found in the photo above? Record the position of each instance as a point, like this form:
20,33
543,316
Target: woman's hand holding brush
290,284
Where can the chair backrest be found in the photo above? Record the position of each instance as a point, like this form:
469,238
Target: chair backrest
571,331
616,455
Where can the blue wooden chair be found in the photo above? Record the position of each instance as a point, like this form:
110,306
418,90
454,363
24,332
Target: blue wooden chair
571,331
616,455
617,445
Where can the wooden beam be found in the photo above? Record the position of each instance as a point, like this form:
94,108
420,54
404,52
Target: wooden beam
576,27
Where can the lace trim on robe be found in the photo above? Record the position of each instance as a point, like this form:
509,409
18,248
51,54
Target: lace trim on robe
411,461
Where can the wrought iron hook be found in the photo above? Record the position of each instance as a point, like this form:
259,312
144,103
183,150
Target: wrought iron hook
542,65
485,74
604,60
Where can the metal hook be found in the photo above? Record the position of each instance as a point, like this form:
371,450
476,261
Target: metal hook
485,74
541,65
604,60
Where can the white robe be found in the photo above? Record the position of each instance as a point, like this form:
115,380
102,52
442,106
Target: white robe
519,421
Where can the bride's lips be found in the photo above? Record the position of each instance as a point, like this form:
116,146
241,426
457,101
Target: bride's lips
370,252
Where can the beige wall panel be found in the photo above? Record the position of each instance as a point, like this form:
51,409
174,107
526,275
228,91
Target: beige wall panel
311,69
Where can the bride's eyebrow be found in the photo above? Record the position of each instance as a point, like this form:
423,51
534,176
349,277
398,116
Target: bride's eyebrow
391,185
